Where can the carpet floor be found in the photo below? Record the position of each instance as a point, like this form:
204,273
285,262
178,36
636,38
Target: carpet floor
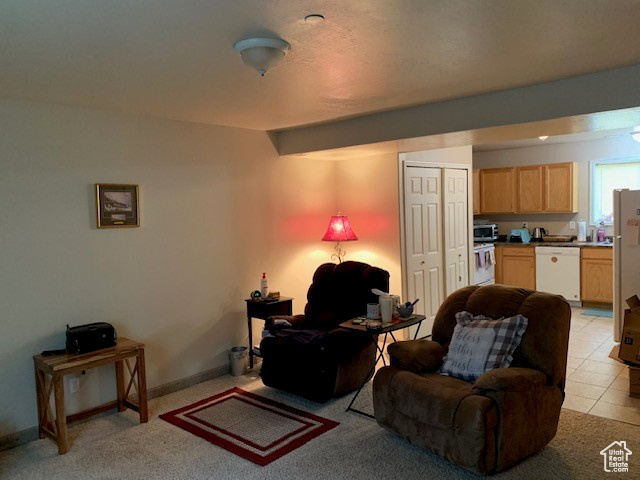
117,447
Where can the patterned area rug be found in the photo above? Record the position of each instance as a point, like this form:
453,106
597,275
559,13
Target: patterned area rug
249,425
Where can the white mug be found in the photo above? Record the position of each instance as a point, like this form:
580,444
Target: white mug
386,309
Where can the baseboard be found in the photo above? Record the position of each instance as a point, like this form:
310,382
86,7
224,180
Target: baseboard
183,383
30,434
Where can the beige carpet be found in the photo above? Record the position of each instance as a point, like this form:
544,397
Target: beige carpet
117,447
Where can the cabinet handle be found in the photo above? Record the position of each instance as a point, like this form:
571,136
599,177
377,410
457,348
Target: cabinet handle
554,259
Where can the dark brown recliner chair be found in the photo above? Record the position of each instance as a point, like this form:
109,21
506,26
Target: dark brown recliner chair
508,413
315,358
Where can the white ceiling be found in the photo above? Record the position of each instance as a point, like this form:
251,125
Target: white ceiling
174,59
536,142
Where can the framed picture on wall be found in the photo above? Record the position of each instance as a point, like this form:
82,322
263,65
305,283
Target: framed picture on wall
117,205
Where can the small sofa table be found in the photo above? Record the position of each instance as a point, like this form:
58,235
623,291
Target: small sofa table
50,371
263,309
387,329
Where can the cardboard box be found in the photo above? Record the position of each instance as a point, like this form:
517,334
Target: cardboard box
630,341
634,382
634,373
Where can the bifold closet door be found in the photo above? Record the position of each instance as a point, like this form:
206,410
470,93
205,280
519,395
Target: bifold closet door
456,237
423,241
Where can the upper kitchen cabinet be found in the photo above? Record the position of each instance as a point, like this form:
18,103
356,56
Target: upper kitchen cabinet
476,190
530,189
497,190
545,188
561,187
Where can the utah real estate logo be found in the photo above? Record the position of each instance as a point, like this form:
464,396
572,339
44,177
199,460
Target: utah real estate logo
616,457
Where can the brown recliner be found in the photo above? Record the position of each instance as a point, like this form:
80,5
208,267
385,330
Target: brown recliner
315,358
508,413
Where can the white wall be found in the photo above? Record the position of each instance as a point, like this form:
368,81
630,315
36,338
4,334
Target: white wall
580,152
218,207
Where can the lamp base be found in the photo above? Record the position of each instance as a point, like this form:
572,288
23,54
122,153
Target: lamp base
340,253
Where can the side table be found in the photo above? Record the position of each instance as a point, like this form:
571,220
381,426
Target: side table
264,309
50,371
387,329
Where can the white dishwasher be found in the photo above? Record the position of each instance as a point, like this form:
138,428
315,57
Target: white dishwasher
558,271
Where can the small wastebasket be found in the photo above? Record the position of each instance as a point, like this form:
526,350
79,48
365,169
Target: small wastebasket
238,360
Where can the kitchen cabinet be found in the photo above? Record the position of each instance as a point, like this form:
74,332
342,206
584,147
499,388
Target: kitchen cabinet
497,190
516,266
544,188
476,190
560,187
596,269
530,182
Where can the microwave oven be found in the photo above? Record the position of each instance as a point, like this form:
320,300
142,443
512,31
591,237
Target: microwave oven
487,232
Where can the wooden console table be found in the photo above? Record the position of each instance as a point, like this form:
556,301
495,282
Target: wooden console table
50,372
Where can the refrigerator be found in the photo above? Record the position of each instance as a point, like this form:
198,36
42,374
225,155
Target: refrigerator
626,253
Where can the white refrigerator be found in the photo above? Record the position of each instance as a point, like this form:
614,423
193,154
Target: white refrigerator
626,253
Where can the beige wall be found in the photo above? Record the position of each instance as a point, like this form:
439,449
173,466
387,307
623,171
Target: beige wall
367,191
218,207
580,152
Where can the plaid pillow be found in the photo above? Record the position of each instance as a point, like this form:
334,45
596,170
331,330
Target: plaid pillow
480,343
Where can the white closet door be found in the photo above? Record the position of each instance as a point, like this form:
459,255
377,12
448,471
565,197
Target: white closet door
456,250
423,241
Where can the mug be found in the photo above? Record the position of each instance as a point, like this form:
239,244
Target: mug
386,309
373,311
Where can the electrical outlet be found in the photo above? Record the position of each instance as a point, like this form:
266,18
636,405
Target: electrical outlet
572,225
74,384
525,224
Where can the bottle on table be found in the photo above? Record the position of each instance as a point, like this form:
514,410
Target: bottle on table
264,286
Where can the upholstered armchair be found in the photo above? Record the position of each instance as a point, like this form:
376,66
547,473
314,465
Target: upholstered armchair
313,357
504,416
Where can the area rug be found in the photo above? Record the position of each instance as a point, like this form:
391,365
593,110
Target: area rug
598,312
249,425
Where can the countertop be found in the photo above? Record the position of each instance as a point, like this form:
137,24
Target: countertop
555,244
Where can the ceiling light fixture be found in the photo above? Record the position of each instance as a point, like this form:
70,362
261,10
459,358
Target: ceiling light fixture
635,134
262,53
314,19
543,137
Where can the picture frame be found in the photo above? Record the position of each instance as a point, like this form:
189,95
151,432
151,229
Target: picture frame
117,205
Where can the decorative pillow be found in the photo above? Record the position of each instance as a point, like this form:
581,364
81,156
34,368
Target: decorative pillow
481,343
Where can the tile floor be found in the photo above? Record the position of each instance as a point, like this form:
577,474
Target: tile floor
597,384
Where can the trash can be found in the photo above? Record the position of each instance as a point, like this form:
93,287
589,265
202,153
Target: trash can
238,360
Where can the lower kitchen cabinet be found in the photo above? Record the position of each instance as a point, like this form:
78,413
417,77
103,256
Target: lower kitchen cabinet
516,266
596,271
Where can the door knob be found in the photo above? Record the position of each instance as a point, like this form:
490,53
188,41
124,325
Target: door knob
422,262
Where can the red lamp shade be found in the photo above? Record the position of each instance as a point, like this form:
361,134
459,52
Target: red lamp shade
339,230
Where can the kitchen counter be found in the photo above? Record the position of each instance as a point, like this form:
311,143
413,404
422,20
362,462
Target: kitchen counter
554,244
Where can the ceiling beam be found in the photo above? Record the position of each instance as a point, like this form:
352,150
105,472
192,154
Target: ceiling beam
575,96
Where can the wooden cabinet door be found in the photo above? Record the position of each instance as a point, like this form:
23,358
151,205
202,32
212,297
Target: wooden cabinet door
530,188
519,267
519,272
560,187
476,191
498,268
596,275
497,192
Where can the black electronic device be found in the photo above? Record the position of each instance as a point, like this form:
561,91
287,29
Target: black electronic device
90,337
